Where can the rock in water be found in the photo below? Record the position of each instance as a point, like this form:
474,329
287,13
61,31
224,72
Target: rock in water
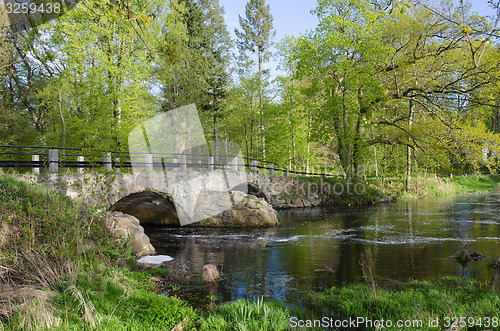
155,259
249,211
210,273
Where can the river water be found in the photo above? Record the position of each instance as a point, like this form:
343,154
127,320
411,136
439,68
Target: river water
314,249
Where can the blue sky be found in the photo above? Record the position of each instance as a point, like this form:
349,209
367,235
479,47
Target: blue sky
290,17
293,17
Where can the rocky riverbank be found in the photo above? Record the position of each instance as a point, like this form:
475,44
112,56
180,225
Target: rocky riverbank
124,227
286,192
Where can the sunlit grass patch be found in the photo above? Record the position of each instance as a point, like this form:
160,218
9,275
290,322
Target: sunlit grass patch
247,315
418,300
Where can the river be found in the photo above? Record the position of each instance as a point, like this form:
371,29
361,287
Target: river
314,249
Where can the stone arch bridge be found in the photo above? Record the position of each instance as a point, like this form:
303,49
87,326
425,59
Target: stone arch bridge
107,189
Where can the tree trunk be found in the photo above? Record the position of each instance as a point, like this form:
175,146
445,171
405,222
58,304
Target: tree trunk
408,148
309,128
292,159
59,103
358,142
246,141
215,139
261,109
375,154
119,115
342,132
496,121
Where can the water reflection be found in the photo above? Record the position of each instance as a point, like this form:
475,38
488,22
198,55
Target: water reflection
408,240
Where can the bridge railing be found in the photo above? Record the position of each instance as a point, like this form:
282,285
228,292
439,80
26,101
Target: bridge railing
53,160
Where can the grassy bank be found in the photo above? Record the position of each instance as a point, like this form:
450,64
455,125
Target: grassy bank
60,269
432,186
435,304
373,190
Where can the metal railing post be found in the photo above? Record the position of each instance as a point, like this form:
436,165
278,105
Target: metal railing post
106,160
149,162
36,169
287,173
53,161
254,166
210,163
234,161
183,162
271,169
80,159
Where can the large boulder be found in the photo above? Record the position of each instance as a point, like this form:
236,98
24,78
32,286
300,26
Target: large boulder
128,227
250,211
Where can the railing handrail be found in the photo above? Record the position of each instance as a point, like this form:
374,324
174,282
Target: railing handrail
251,163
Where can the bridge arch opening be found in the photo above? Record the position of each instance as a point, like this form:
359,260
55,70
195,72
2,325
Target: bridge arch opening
149,207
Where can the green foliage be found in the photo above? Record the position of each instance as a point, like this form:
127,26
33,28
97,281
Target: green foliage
197,39
418,300
39,214
117,299
256,33
476,183
343,103
247,315
105,95
49,235
341,58
363,66
52,248
256,39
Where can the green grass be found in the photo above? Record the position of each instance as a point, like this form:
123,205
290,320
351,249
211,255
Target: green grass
247,315
118,299
376,188
439,299
466,184
432,186
60,269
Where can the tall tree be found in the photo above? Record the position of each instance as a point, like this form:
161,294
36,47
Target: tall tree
218,74
256,37
196,54
383,70
340,56
101,88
